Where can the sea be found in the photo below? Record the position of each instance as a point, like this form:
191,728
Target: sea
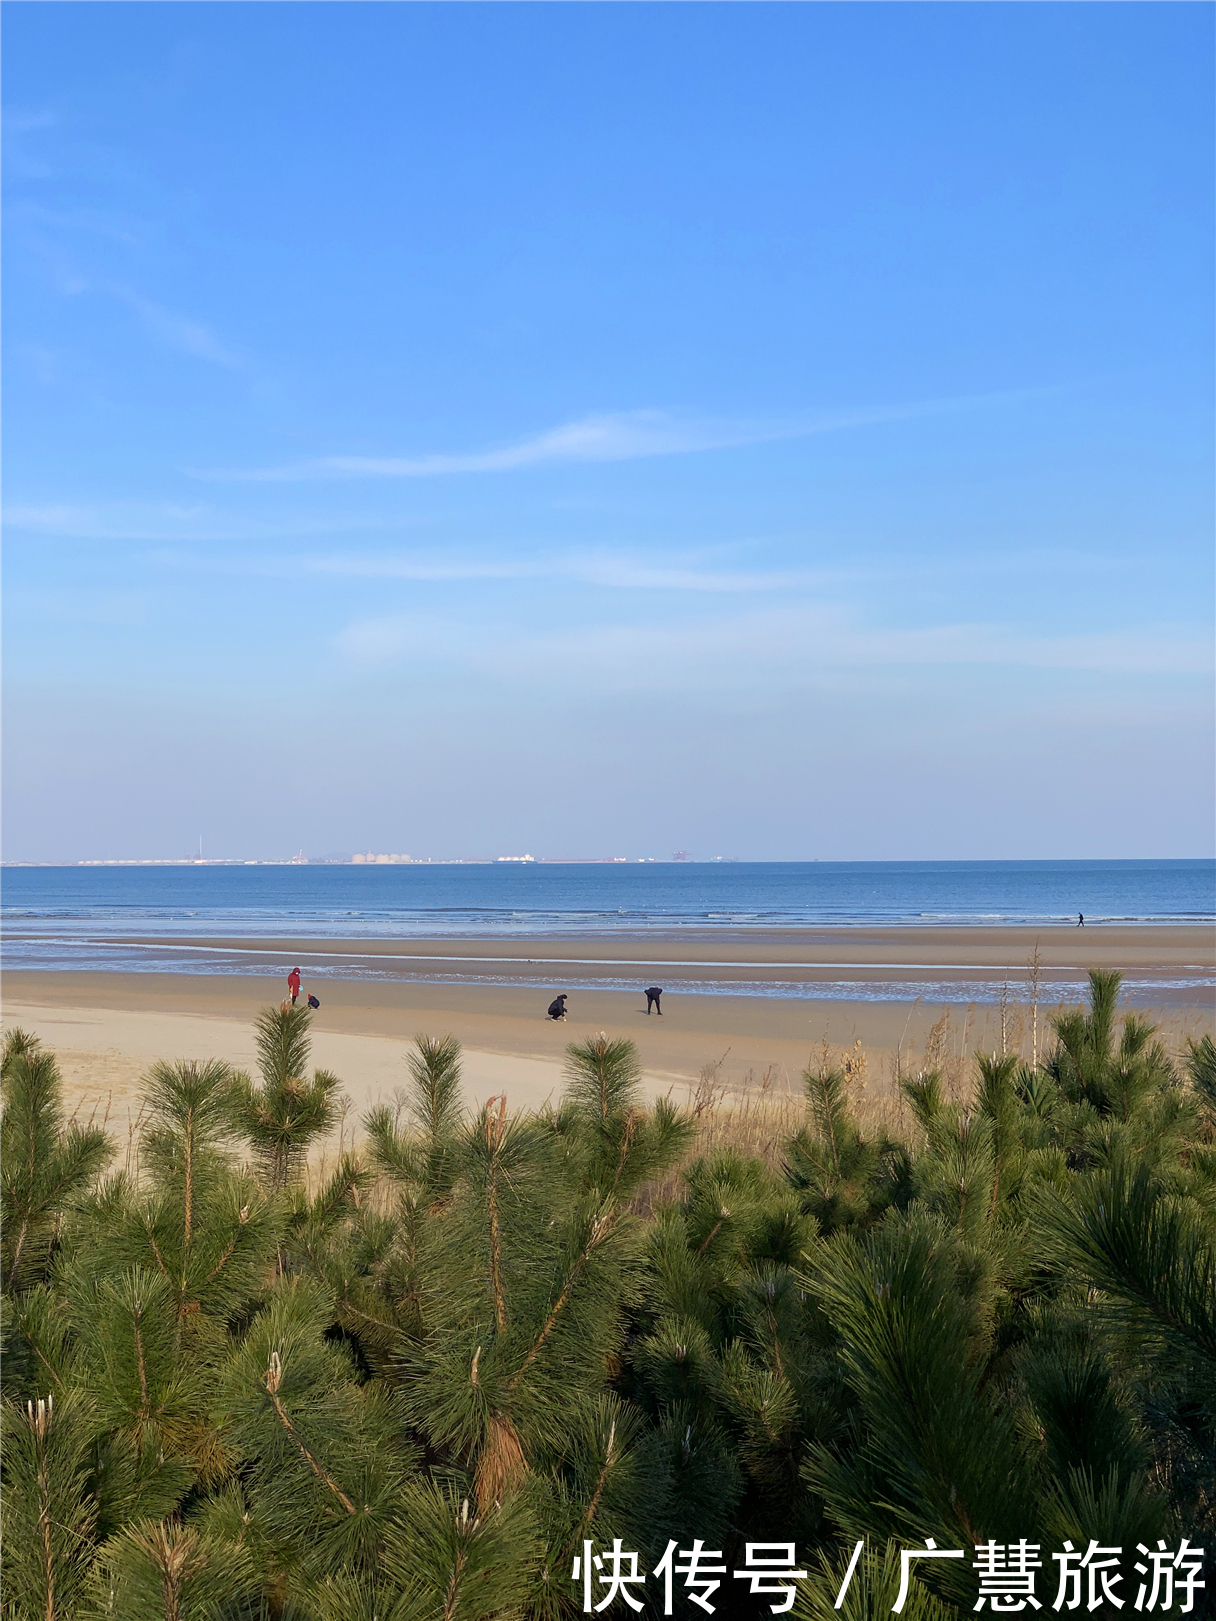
164,918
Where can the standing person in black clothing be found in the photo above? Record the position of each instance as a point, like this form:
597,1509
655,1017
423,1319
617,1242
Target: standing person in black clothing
653,992
1080,920
557,1007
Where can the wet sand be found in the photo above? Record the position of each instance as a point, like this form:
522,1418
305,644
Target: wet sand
108,1027
720,954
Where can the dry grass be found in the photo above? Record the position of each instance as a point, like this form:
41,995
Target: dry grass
754,1117
752,1120
758,1115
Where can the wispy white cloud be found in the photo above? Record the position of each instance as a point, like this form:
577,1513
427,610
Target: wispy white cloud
784,642
191,525
198,537
21,121
618,436
38,230
702,571
618,571
41,228
79,607
48,366
391,638
19,162
114,521
756,648
611,570
605,437
188,523
628,574
179,332
90,220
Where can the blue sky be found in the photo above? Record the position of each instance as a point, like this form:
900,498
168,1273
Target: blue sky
770,431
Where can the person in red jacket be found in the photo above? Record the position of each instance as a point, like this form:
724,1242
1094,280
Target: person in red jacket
293,984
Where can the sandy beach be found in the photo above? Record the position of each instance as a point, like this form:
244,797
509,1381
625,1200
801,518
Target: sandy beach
880,988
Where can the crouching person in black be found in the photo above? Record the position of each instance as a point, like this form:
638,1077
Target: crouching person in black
653,992
557,1007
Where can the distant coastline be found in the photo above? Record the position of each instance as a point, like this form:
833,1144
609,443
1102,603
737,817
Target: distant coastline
368,860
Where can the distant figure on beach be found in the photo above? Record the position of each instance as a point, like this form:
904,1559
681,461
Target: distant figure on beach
312,1001
293,984
1080,920
557,1007
653,992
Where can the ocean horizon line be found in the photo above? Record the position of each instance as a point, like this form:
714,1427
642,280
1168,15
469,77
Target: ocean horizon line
603,861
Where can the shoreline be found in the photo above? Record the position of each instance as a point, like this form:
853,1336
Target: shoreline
925,946
879,993
1165,966
1132,933
750,1006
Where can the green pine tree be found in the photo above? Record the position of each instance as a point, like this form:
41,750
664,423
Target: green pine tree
283,1116
45,1163
47,1513
486,1340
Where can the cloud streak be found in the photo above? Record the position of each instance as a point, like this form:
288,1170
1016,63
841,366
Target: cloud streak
179,332
605,437
612,571
197,524
188,523
765,646
616,571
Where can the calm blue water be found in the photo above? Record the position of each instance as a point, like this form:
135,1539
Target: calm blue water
94,917
400,902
